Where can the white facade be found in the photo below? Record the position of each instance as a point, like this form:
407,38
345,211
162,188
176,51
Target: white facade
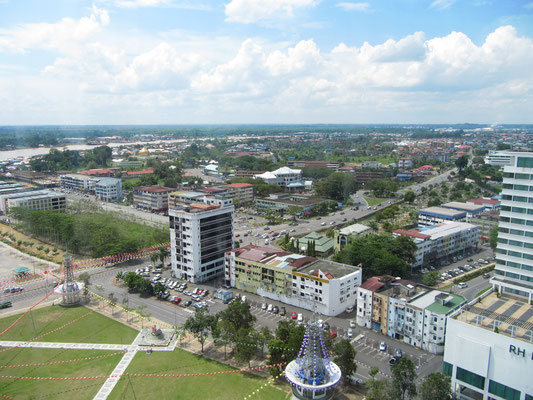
36,200
364,307
109,190
499,158
199,236
514,253
282,176
78,182
485,364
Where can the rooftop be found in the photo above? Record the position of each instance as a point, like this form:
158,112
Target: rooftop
484,201
108,181
187,194
447,228
240,185
438,302
463,206
512,317
154,189
96,172
354,229
448,212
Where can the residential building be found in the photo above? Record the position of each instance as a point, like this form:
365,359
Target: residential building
323,245
441,241
498,158
489,349
78,182
294,279
489,204
137,174
405,163
471,209
344,236
371,164
284,202
200,236
334,165
34,200
8,187
514,253
151,198
242,192
109,190
486,222
407,312
435,215
365,177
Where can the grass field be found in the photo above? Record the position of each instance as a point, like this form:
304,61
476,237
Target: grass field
57,390
94,328
229,386
372,201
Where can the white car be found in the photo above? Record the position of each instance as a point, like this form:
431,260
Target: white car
270,307
350,333
300,318
382,346
462,285
352,324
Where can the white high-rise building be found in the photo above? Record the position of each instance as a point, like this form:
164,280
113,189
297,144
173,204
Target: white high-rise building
514,253
200,235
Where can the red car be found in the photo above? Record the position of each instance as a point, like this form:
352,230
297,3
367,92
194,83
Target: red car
237,235
294,315
177,300
333,335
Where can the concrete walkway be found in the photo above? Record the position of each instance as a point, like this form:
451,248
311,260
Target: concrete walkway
72,346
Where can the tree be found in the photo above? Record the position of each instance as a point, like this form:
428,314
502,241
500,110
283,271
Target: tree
409,196
436,386
430,278
85,278
345,357
264,338
238,313
493,238
403,379
200,324
154,257
246,344
225,334
159,288
461,163
376,389
276,351
163,254
144,287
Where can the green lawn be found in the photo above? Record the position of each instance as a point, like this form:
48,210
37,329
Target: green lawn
94,328
372,201
56,390
230,386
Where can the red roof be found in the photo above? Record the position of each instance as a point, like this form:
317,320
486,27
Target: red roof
240,185
484,201
415,234
154,189
373,284
96,172
146,171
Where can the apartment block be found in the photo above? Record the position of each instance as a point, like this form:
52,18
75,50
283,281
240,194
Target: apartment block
151,198
109,190
293,279
34,200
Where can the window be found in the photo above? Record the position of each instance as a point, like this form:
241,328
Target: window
470,378
526,162
503,391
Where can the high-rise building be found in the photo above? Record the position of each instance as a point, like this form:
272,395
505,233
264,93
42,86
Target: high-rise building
200,235
514,253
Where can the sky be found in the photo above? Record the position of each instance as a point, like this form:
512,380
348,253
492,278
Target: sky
265,61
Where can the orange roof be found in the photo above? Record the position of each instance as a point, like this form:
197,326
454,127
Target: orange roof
239,185
96,171
143,172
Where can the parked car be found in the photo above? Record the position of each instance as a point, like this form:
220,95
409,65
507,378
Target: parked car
349,309
270,308
462,285
382,346
352,324
333,335
350,333
393,361
300,318
352,380
282,311
398,353
5,304
264,306
325,326
486,276
294,315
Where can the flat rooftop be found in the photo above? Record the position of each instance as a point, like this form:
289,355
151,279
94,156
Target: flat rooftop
335,270
463,206
511,316
446,228
448,212
354,229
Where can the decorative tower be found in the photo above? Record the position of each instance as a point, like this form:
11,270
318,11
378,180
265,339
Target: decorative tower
70,289
312,375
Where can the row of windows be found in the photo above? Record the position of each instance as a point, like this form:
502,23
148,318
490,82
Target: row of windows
515,254
517,243
514,276
521,199
525,162
525,188
515,232
519,210
515,265
517,175
517,221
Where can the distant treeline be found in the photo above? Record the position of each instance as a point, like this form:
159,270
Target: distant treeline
93,233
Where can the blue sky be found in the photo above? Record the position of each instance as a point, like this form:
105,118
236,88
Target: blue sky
266,61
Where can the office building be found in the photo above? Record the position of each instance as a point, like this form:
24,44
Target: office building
200,235
78,182
514,252
435,215
242,193
445,240
151,198
470,209
489,349
489,204
184,197
293,279
34,200
109,190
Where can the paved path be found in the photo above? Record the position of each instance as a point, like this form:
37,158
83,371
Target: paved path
72,346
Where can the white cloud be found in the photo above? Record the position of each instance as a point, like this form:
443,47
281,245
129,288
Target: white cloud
353,6
60,36
251,11
529,5
442,4
188,5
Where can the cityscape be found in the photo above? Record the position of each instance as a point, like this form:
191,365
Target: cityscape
277,199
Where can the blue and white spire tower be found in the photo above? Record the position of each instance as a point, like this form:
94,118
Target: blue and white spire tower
313,375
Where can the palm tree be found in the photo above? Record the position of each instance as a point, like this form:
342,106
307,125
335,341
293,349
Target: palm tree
374,226
154,257
163,254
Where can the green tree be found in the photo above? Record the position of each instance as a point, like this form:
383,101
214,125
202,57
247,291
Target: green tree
159,288
409,196
154,257
246,344
239,314
200,325
430,278
403,380
276,355
493,238
345,357
376,389
144,287
225,334
163,254
112,301
436,386
86,279
461,163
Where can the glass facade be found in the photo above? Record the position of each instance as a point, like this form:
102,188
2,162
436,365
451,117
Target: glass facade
470,378
525,162
447,368
503,391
